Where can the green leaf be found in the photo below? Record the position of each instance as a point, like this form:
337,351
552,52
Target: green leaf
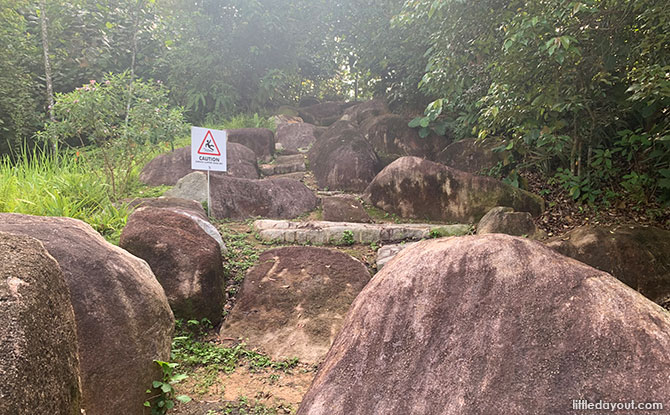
183,398
441,128
178,378
156,384
425,122
415,122
424,132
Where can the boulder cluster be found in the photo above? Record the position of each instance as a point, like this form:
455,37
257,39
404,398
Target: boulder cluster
473,309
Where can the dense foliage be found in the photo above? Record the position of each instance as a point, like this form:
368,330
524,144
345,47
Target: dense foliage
576,89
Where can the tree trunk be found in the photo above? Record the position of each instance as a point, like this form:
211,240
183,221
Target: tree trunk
47,65
133,56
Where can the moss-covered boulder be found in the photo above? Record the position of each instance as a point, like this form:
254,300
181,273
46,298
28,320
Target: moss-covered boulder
420,189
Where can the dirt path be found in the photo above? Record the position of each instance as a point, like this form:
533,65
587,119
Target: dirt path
245,391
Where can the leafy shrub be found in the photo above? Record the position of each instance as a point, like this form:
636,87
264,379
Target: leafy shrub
120,119
430,122
162,392
347,238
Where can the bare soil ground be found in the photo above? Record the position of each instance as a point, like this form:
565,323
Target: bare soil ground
245,391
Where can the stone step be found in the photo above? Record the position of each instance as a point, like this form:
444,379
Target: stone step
284,165
333,233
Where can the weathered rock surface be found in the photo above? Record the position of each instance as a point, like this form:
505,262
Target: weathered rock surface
344,209
299,176
260,140
290,117
269,198
284,165
168,168
193,186
388,252
491,324
470,156
325,113
639,256
165,202
190,208
321,233
293,302
123,319
308,101
421,189
185,259
39,364
343,160
359,113
391,138
241,162
295,138
505,220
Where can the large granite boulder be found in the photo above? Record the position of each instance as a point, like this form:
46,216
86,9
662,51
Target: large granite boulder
241,162
344,208
123,318
359,113
284,165
392,138
168,168
470,155
294,138
293,302
165,202
193,186
260,140
186,207
233,198
39,364
183,256
491,324
639,256
343,160
421,189
505,220
325,113
308,101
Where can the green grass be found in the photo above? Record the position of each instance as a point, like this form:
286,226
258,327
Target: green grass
74,184
241,254
190,352
45,185
245,406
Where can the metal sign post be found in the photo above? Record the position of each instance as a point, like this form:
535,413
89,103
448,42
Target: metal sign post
208,152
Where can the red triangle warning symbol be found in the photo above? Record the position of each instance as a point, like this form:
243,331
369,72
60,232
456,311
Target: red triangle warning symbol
208,146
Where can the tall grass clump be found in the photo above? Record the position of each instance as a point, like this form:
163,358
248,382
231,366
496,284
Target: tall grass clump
43,184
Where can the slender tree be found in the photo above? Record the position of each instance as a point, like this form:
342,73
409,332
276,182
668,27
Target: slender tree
44,23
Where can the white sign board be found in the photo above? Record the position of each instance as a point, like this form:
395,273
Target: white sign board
208,149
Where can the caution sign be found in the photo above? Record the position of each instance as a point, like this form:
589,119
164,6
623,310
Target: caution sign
208,149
